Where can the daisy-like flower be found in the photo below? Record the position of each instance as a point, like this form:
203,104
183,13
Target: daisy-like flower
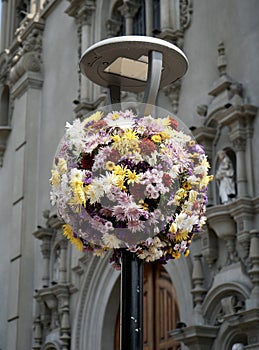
111,241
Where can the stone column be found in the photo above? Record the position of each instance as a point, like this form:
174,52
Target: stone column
3,24
170,14
198,290
37,334
26,77
45,249
239,144
63,262
149,18
128,11
249,158
254,271
84,16
65,328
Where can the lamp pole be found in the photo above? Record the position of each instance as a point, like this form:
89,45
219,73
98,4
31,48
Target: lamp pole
131,327
134,64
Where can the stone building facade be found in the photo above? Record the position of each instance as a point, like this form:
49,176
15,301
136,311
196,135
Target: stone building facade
52,297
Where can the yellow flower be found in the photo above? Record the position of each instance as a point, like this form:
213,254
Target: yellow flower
116,138
132,176
187,252
192,195
94,117
77,242
130,135
156,138
191,143
165,121
205,180
176,255
164,135
181,193
173,228
55,178
143,204
205,163
120,182
115,116
67,231
186,186
62,163
118,170
78,190
181,236
109,165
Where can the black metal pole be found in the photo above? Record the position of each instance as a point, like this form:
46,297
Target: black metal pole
131,322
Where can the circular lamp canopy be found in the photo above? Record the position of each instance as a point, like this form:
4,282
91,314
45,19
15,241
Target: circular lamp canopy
123,61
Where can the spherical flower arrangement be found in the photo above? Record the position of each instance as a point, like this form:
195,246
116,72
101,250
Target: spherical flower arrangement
121,181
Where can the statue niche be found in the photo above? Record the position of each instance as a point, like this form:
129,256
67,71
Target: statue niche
225,176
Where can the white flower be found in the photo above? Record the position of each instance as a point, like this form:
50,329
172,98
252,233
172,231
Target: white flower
75,135
111,241
95,191
180,219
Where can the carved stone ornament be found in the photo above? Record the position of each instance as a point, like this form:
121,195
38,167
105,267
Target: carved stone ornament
129,8
78,8
52,307
28,58
173,92
3,66
186,10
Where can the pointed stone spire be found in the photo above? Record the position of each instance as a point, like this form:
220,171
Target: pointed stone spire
222,60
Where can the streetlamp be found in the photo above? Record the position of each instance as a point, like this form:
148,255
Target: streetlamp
134,64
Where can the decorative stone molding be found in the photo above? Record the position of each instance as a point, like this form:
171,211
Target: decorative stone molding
4,66
129,8
112,27
83,12
174,29
84,107
209,247
28,58
81,9
199,337
220,220
254,271
198,290
173,92
186,10
243,211
52,311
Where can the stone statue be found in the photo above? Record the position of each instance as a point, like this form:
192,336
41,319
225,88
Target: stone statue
225,178
56,265
238,346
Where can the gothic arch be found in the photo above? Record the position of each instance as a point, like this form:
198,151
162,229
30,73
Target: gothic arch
212,301
96,296
176,270
98,302
228,336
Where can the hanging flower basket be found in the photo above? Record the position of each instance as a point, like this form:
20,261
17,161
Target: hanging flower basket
124,181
